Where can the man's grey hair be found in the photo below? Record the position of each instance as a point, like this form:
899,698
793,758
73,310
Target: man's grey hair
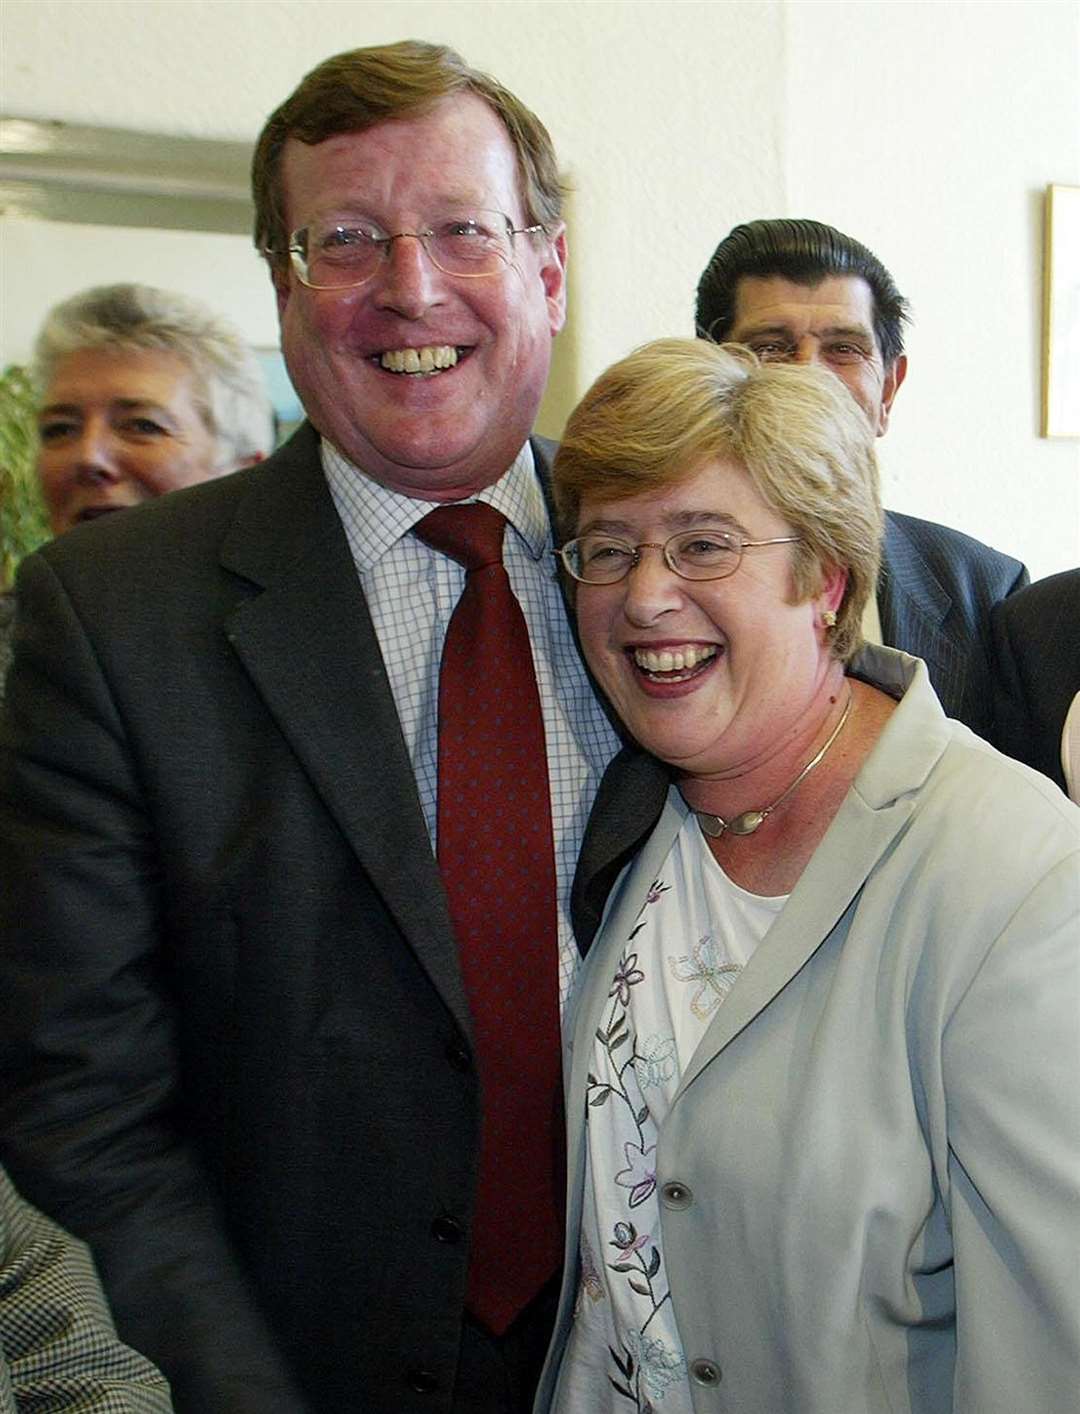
230,391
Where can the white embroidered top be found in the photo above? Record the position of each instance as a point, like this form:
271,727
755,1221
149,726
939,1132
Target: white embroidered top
691,940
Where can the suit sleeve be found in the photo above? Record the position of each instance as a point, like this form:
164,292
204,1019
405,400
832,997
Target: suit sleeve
90,1117
1011,1071
1011,725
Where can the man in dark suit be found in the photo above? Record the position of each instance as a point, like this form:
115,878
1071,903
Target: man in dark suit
239,1045
802,291
1037,674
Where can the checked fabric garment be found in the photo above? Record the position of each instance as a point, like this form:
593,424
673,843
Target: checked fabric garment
497,860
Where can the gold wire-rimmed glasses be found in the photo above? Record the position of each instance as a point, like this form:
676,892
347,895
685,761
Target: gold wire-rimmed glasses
691,554
338,254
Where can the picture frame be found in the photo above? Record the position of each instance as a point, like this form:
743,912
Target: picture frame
1061,313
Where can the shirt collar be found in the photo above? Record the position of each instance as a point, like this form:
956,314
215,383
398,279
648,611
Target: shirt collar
375,517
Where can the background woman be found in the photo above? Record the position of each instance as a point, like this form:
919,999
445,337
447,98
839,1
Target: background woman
822,1091
143,391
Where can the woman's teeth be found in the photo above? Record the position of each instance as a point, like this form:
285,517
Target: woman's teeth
426,360
673,660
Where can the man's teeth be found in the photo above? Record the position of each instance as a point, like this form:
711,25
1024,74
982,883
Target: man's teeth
425,360
673,660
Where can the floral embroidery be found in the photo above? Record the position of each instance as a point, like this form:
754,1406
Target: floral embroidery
660,1366
628,1240
592,1283
645,1367
705,965
640,1173
654,1062
628,975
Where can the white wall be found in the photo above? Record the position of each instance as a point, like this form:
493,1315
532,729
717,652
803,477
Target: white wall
928,131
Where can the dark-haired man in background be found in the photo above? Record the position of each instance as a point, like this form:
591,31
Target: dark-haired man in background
295,1078
804,292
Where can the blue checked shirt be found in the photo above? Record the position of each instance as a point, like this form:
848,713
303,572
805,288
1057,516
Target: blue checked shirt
412,590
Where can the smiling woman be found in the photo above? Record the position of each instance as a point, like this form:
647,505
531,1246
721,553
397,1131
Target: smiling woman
817,1103
143,392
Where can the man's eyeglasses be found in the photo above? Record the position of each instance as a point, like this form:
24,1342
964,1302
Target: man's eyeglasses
338,255
692,554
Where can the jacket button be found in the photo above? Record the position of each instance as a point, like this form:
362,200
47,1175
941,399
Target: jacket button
458,1054
421,1380
705,1372
676,1195
446,1229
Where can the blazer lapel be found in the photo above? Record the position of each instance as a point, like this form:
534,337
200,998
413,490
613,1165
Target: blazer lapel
308,644
875,810
833,878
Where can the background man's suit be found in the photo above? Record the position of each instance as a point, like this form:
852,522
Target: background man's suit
324,1217
934,598
1037,670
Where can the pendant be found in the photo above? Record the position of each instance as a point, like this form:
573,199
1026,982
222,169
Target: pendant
747,822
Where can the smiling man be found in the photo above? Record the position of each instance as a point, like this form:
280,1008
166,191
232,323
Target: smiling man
295,772
802,292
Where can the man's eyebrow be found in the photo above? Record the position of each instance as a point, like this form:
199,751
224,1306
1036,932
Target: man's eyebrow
780,326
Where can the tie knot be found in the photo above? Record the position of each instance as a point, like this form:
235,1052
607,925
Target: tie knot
472,534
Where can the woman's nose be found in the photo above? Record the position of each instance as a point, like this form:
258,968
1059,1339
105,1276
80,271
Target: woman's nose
94,455
651,588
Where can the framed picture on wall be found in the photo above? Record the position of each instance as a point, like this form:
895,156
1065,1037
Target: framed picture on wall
1061,313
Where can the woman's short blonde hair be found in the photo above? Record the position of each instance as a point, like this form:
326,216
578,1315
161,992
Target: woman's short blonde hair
660,415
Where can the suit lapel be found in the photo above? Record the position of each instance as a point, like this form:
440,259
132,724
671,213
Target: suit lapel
913,606
307,642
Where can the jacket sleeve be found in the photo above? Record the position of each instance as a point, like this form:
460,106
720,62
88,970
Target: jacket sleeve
90,1119
1011,1077
58,1348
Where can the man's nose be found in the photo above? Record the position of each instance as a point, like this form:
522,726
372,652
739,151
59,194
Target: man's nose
807,350
408,281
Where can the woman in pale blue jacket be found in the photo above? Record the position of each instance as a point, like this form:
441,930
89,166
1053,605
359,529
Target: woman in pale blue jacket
824,1053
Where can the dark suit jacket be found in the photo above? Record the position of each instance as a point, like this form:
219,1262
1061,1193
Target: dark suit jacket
230,1001
935,594
1036,637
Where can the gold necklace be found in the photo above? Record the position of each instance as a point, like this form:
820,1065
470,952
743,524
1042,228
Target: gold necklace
746,823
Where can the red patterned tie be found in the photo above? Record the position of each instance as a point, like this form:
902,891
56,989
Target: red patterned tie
497,861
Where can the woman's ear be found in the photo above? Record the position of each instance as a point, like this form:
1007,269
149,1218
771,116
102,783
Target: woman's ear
833,583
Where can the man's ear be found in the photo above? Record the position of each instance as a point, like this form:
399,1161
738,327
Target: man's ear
894,376
553,274
281,279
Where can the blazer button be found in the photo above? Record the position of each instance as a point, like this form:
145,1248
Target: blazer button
458,1054
676,1195
705,1372
446,1229
421,1380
